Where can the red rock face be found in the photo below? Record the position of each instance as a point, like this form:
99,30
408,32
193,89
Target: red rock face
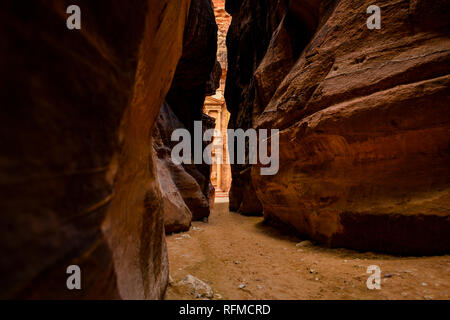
363,118
246,44
78,177
187,92
182,186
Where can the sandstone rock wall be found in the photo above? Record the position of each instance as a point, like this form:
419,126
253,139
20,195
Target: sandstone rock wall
196,75
187,93
77,177
248,37
181,185
363,117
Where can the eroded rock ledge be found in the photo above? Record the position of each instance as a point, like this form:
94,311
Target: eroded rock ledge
363,115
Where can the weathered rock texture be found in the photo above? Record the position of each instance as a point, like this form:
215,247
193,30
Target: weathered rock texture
184,198
187,93
363,117
248,37
77,177
196,75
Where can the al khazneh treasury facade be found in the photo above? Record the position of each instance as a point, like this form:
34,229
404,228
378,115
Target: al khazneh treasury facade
215,105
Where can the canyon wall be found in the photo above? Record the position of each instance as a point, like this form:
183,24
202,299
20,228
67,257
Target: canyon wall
363,117
196,76
249,35
77,177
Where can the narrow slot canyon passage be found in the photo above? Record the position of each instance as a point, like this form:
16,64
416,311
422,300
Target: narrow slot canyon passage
333,130
240,254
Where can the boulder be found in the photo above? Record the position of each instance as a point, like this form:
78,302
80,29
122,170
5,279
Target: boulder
195,287
177,216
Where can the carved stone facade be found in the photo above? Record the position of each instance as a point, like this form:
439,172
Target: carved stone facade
220,173
215,105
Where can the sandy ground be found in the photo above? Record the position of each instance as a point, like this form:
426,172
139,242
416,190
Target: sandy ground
233,251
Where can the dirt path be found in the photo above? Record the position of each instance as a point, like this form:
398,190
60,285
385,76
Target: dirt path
232,251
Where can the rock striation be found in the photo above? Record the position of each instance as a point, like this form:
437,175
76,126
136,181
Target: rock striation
363,118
